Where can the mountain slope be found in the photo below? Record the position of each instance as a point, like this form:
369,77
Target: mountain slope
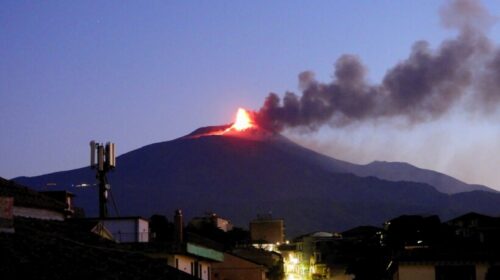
242,175
391,171
401,171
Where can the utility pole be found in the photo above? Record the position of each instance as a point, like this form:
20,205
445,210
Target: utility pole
102,159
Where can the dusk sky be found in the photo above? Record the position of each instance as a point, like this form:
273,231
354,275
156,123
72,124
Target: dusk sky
136,73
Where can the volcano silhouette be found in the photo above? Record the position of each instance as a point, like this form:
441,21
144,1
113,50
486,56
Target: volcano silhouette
240,174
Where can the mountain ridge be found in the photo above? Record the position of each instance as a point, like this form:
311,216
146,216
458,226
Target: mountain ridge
241,177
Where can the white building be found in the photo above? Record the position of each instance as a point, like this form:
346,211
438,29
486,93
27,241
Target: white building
127,229
195,260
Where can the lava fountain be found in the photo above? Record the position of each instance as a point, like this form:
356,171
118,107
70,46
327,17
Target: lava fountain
243,121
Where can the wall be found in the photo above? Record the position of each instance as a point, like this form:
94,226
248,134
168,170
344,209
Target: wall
481,270
122,230
143,230
223,224
205,270
427,272
128,229
184,264
35,213
234,268
271,231
416,272
338,272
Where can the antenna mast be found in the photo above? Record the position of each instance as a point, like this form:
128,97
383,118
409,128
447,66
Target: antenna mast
102,158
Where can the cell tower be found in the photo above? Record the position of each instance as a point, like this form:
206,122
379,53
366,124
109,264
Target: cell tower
102,158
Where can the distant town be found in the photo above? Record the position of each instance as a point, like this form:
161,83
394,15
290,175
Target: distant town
46,235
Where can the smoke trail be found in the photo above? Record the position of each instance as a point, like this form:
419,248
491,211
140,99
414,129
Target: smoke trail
422,87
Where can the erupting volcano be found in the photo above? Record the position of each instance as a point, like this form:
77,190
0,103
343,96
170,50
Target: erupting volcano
242,169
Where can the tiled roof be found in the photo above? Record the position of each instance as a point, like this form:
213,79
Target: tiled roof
26,197
66,250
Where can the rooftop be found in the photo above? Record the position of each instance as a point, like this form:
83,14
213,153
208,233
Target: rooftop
67,250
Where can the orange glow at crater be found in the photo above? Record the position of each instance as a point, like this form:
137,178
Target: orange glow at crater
243,120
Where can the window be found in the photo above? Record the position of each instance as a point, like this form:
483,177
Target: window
318,257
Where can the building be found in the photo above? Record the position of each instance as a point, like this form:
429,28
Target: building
267,232
271,260
127,229
211,219
6,214
427,264
477,228
194,259
464,248
64,197
318,255
28,203
191,257
237,268
47,249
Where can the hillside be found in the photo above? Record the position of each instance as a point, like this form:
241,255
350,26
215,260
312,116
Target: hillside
240,175
401,171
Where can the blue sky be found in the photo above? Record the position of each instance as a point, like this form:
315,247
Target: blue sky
136,72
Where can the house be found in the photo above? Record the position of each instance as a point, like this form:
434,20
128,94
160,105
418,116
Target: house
466,247
195,260
266,232
429,264
272,261
64,197
127,229
6,214
318,255
48,249
237,268
192,255
28,203
477,228
211,219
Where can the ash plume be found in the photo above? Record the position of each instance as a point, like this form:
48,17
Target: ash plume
420,88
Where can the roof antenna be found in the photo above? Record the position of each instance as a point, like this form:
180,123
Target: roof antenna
102,158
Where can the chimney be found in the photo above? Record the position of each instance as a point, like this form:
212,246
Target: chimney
178,227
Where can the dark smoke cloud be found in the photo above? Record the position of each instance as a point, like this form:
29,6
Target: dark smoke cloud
420,88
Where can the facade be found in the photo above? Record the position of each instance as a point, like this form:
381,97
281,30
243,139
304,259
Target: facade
237,268
464,248
477,228
6,214
441,270
186,256
321,255
127,229
212,219
65,198
303,258
38,213
191,258
266,230
31,204
191,265
222,224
